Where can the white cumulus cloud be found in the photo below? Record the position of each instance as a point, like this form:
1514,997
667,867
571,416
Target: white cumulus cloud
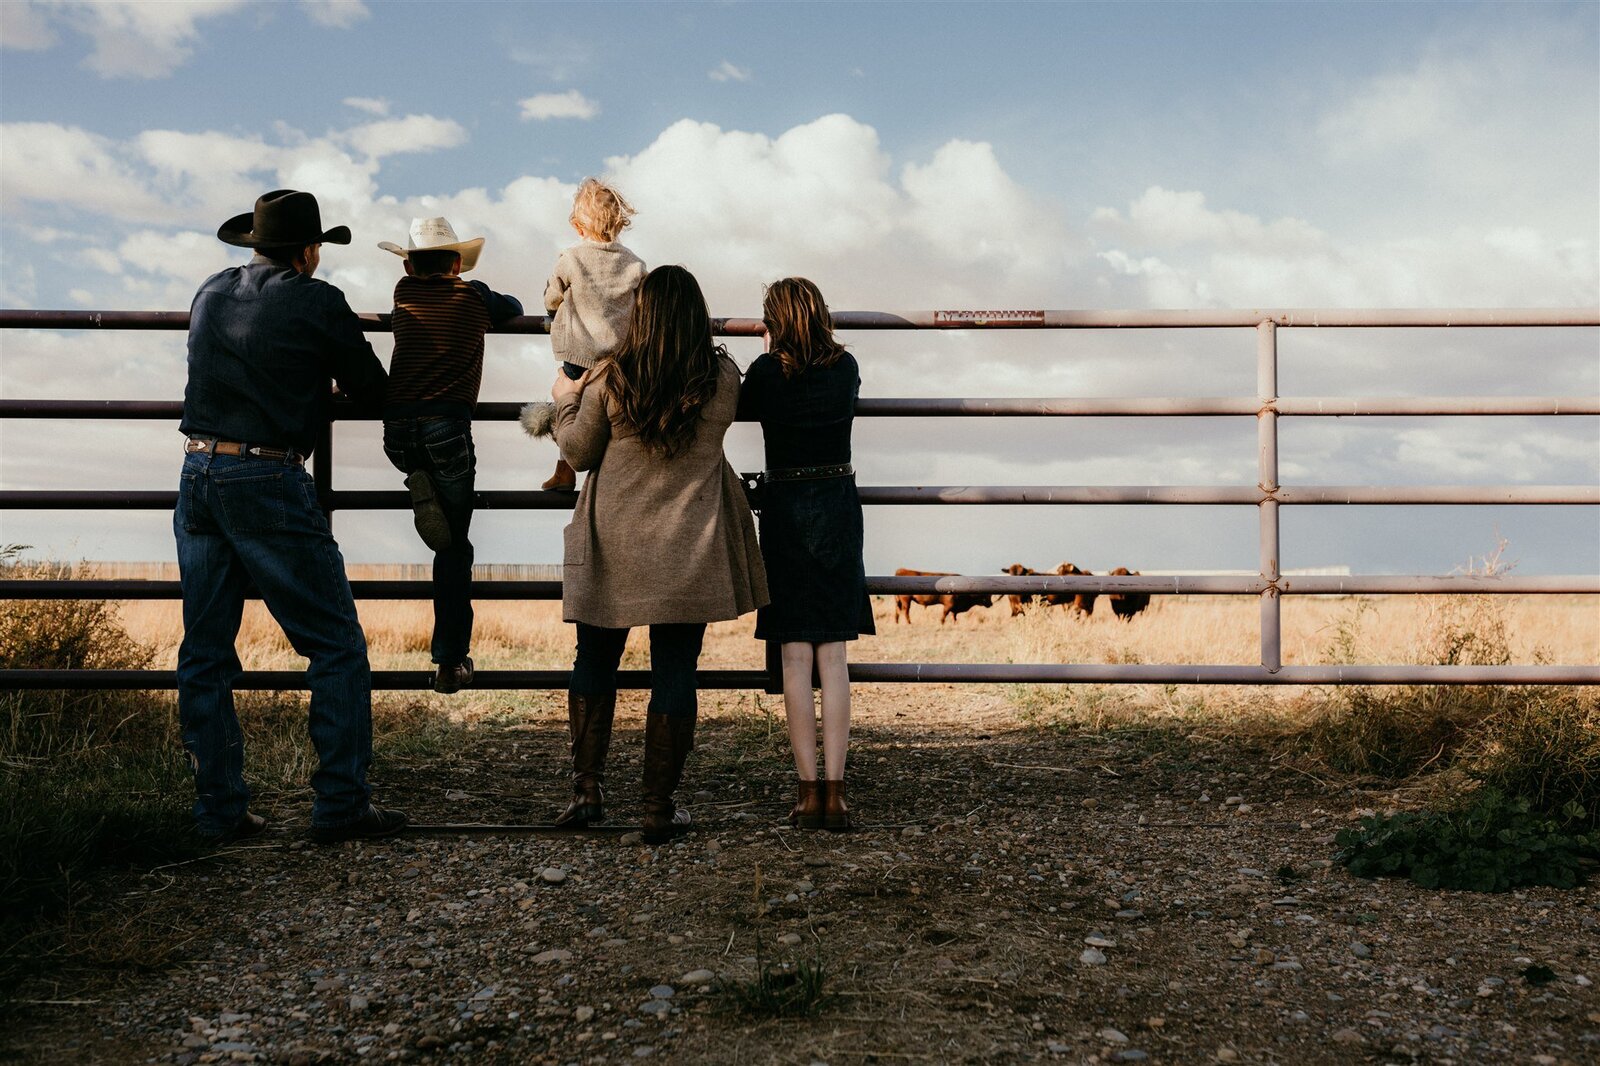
24,27
66,165
338,14
129,38
413,133
1189,254
372,105
727,71
570,104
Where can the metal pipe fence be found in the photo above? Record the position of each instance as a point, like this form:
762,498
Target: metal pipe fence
1269,585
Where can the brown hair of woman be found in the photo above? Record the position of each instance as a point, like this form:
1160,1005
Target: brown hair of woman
667,368
800,326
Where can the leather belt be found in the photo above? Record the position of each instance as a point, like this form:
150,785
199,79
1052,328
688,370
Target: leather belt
810,473
212,446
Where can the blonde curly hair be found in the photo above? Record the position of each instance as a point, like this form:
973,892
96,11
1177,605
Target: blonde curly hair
601,209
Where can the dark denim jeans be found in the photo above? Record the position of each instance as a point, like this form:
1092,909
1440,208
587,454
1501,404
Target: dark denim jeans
674,653
443,447
255,523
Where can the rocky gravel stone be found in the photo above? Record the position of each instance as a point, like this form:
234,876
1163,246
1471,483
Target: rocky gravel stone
954,944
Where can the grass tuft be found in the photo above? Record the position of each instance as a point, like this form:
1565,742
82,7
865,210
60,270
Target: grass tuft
783,991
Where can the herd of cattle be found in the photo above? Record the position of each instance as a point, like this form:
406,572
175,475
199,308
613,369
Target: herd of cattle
1123,604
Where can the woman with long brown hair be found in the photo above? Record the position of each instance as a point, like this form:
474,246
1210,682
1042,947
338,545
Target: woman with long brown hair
661,535
803,392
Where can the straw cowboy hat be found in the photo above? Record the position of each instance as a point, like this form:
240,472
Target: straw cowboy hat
437,235
282,218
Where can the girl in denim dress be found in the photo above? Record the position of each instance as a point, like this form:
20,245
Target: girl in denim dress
803,392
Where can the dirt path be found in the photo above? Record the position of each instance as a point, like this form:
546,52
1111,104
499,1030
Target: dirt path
952,928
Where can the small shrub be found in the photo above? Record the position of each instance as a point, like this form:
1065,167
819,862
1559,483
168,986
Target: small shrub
1398,731
88,779
1545,748
1392,733
63,634
1492,844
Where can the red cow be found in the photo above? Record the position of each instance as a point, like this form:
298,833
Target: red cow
1082,602
1127,604
953,602
1018,570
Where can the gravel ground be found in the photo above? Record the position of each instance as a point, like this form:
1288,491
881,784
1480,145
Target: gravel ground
1016,893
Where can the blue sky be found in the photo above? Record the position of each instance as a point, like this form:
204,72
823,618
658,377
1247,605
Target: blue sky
903,155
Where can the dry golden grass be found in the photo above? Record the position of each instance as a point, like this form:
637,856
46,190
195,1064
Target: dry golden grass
531,635
508,634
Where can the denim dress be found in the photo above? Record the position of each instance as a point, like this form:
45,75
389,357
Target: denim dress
811,527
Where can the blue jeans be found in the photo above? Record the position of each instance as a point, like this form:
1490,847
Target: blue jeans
244,524
443,447
674,653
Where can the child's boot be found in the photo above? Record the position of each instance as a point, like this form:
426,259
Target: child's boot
565,479
432,525
807,812
835,812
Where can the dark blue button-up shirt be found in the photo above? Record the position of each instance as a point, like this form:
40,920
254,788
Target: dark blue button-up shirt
264,340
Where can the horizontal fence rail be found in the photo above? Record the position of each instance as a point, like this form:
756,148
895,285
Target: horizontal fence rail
883,673
1155,585
899,495
1001,407
1267,496
1327,317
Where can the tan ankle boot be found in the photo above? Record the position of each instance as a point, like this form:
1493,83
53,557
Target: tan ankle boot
835,812
565,479
807,813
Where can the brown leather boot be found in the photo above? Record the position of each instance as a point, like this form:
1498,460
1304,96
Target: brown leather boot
565,479
835,812
668,739
589,719
807,813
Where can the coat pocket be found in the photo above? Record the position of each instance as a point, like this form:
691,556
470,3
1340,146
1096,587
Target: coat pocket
575,544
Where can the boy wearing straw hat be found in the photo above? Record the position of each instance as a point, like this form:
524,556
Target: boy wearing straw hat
439,321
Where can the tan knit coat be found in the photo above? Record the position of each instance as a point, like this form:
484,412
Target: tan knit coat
654,539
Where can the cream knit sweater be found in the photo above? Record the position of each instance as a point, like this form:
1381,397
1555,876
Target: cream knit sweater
591,296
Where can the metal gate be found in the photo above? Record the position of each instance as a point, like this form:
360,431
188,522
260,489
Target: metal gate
1269,585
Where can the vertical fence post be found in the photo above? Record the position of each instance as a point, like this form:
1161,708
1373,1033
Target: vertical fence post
322,469
1267,455
774,682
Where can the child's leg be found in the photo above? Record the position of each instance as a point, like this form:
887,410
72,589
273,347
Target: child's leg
834,672
799,708
565,479
402,443
397,445
453,467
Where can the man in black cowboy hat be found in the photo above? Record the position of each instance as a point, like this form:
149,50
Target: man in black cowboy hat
264,340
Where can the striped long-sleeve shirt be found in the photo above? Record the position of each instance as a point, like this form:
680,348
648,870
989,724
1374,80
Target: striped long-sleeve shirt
439,322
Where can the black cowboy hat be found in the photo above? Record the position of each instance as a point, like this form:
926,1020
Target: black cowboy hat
282,218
